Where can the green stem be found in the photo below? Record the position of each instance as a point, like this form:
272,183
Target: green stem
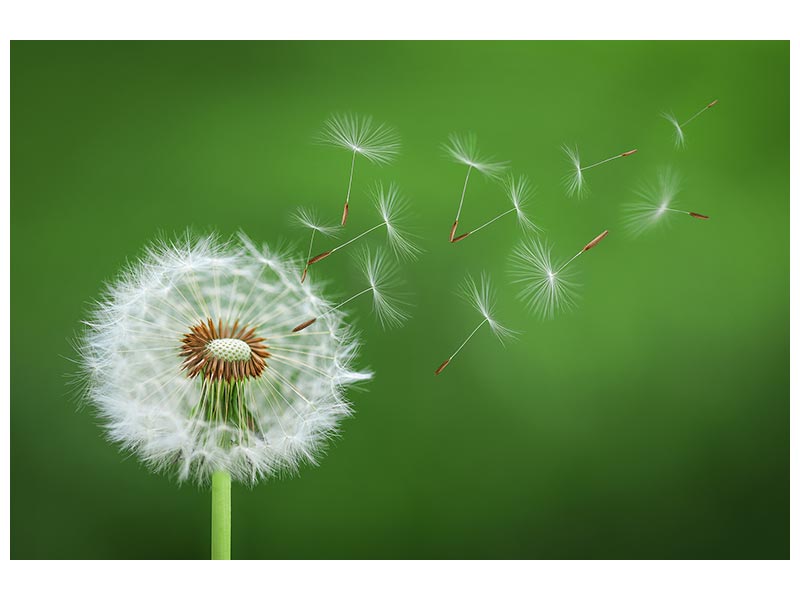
220,516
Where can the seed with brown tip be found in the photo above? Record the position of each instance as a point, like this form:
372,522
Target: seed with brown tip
698,216
453,230
595,241
305,324
441,367
319,257
461,237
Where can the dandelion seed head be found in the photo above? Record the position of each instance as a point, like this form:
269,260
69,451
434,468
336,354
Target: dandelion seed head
384,286
393,209
481,296
574,180
379,143
190,365
653,204
464,149
680,141
546,288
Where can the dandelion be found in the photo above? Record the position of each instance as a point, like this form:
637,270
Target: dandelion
379,144
680,140
482,299
548,287
381,278
574,180
464,150
308,219
392,208
519,192
654,205
188,362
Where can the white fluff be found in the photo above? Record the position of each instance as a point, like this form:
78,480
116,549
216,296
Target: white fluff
130,359
464,149
546,288
381,275
481,297
678,135
654,205
574,180
393,209
520,191
379,143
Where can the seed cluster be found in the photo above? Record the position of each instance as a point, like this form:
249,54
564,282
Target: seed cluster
223,353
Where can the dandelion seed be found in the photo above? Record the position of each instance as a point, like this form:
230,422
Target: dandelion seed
575,181
464,149
519,192
655,204
392,208
482,298
379,144
381,277
680,139
308,219
548,288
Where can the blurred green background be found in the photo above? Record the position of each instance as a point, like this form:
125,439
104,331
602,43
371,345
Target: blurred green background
649,422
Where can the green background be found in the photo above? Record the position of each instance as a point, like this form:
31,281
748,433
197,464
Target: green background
649,422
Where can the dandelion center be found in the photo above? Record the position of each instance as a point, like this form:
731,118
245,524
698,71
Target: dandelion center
220,352
230,349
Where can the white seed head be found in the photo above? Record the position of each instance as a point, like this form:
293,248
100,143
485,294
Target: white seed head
377,143
190,363
680,141
464,149
393,209
520,192
654,204
574,180
546,288
482,298
384,285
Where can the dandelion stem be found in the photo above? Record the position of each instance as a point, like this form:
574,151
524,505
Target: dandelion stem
349,186
339,247
597,164
220,516
308,257
310,322
464,343
350,299
686,212
564,266
311,244
461,202
698,113
509,211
